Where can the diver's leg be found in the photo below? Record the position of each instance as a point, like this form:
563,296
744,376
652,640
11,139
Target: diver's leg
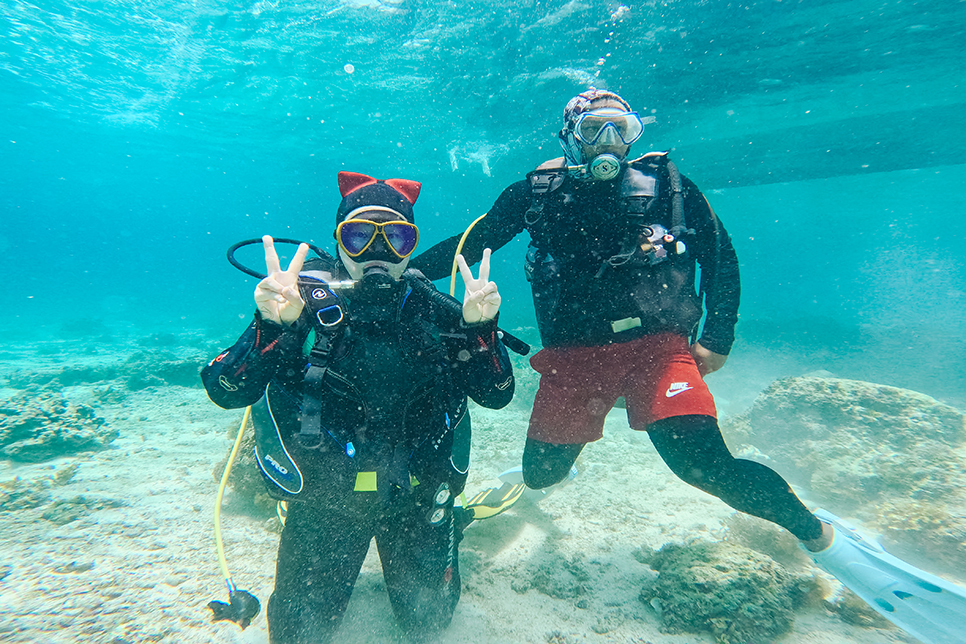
319,557
547,463
420,562
578,386
692,446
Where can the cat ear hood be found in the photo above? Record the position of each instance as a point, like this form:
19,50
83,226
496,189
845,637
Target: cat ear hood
360,191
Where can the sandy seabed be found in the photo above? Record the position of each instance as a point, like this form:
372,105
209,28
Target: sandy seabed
144,571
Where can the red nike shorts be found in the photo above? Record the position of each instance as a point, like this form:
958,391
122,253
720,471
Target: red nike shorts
655,374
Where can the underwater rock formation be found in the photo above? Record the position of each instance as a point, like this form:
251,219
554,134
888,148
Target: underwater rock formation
40,426
19,494
64,511
766,538
555,576
739,595
142,369
894,458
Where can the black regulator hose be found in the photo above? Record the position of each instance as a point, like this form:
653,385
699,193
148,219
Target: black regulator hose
250,242
452,305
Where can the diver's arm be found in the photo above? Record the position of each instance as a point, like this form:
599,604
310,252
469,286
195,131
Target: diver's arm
481,364
237,376
479,361
719,271
502,223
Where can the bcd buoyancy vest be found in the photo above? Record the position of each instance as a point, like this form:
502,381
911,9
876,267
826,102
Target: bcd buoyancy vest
610,261
377,410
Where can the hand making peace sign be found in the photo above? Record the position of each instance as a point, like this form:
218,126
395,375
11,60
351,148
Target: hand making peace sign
481,300
277,296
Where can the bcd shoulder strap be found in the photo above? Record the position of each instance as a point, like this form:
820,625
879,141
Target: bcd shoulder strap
326,312
544,180
656,159
677,200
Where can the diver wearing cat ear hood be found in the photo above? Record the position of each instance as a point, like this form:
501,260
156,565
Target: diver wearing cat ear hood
358,372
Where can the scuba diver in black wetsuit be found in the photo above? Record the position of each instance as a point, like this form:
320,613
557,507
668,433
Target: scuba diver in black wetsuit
612,267
358,373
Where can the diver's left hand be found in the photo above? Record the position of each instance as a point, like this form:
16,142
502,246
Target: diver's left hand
707,361
482,299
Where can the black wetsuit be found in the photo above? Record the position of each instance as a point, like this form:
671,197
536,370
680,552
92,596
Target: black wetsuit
393,412
581,225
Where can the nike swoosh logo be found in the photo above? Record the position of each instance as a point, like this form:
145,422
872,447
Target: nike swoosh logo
677,388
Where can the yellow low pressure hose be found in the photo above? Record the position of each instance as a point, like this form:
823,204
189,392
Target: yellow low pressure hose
220,546
452,290
459,249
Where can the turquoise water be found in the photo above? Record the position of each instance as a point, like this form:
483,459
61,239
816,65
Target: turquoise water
139,139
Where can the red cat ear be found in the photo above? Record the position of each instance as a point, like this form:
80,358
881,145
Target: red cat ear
408,189
351,181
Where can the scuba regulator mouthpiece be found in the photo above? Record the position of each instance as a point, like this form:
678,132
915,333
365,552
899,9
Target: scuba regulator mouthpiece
376,273
604,167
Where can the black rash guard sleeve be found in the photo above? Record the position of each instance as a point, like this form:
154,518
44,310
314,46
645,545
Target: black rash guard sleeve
237,377
502,223
720,279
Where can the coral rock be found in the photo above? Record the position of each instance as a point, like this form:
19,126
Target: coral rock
739,595
895,457
42,426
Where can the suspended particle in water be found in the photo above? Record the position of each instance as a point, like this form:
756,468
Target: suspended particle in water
349,68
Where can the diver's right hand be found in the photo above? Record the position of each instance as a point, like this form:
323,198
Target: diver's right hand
277,296
482,299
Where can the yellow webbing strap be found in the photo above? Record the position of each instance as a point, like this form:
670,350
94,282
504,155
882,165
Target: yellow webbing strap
459,249
219,544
